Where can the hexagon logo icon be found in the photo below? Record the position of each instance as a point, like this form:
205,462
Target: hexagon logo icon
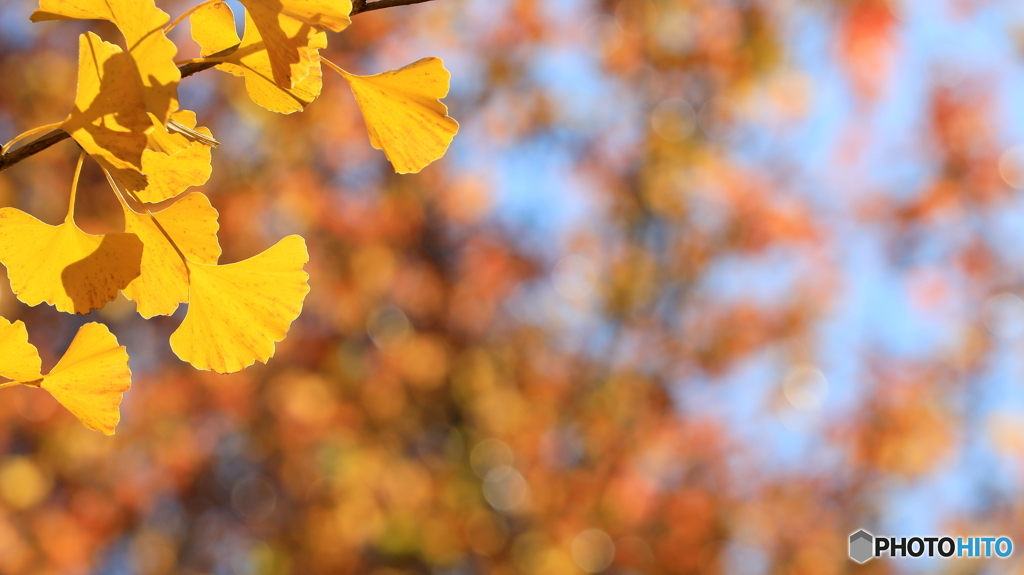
861,544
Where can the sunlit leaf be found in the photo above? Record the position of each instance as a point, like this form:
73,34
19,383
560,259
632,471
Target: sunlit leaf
237,312
19,359
289,29
213,28
142,24
172,163
331,15
403,113
191,224
91,378
64,266
109,120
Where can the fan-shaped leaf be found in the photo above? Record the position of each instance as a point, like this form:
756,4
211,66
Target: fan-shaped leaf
109,120
64,266
187,229
403,113
172,163
91,378
237,312
19,359
289,28
142,25
213,28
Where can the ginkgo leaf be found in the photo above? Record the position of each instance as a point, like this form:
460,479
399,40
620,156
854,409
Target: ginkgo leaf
213,28
19,359
333,15
64,266
142,25
172,163
404,115
109,120
237,312
91,378
191,224
289,28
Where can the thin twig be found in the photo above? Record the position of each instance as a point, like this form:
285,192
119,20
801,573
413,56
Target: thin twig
363,6
28,150
196,67
56,136
9,159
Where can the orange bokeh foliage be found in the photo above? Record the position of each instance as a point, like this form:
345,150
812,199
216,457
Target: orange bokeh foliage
468,391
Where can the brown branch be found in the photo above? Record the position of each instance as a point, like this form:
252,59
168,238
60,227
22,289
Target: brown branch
38,145
360,6
10,158
196,67
56,136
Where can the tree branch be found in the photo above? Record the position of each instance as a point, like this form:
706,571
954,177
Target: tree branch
56,136
196,67
360,6
10,158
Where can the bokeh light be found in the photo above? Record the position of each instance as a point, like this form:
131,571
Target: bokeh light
593,550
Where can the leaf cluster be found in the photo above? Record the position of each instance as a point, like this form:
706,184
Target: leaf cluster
127,118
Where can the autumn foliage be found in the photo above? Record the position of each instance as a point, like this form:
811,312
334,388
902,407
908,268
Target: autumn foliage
700,287
127,117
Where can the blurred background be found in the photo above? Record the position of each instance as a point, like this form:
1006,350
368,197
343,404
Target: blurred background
702,287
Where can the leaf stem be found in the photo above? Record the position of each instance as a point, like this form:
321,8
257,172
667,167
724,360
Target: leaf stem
189,12
121,197
181,63
334,67
27,133
10,384
74,189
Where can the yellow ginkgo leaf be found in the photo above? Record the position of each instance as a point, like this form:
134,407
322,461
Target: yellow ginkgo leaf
109,120
333,15
142,24
403,112
191,224
172,163
91,378
19,359
237,312
63,266
289,28
213,28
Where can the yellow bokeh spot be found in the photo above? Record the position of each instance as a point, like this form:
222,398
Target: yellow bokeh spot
22,483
